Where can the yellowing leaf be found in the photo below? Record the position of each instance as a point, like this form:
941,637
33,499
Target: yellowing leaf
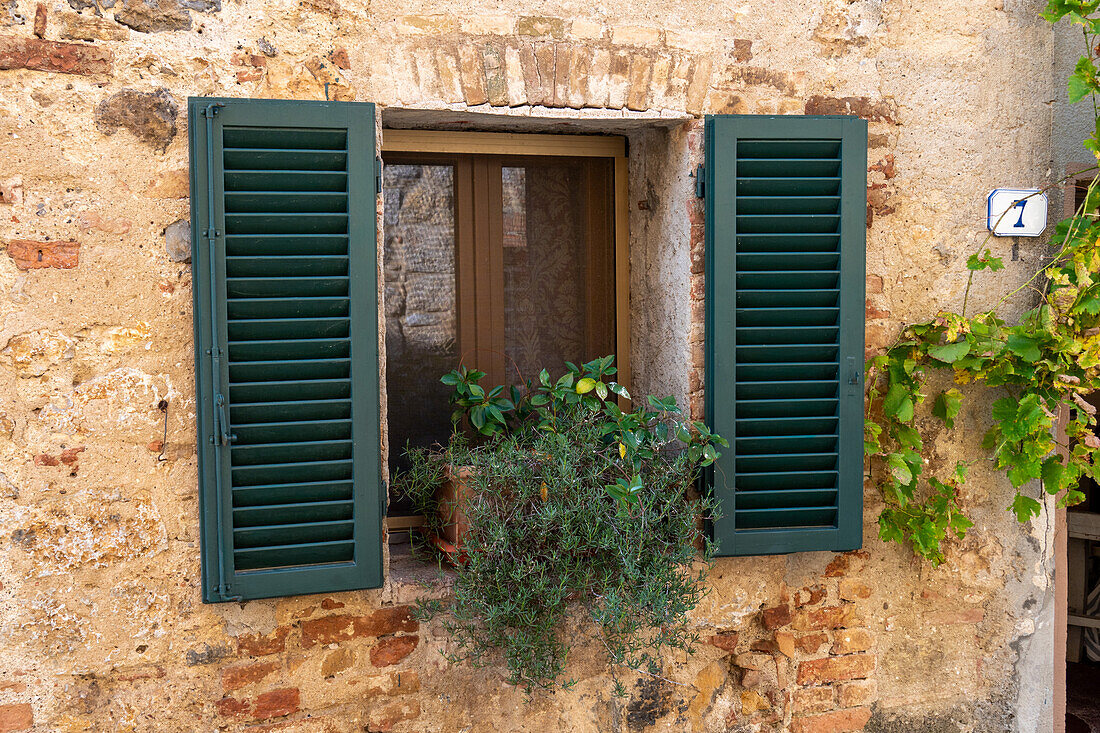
586,385
622,451
544,491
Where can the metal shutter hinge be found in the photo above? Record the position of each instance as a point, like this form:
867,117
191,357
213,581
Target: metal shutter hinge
700,181
378,175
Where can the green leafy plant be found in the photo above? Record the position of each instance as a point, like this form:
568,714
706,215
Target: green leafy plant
1040,365
577,506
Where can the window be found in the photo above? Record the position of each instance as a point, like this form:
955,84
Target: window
500,254
482,233
786,207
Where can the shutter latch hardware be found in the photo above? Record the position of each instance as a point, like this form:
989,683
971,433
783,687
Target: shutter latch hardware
700,181
378,175
854,375
224,436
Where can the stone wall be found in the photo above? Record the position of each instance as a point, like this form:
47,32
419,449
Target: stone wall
101,624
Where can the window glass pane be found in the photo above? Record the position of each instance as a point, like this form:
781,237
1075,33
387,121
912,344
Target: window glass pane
558,258
419,270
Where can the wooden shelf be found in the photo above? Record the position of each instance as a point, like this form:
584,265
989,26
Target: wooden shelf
1083,525
1091,622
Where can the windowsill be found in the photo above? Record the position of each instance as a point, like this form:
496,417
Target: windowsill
410,578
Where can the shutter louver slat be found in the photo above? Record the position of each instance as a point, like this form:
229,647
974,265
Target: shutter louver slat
779,217
293,191
299,212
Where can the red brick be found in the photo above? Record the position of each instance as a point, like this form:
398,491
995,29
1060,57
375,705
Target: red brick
776,617
874,284
16,687
327,630
875,313
810,643
232,706
827,617
850,641
813,700
259,645
696,211
958,616
840,721
860,692
392,650
331,629
234,678
31,255
726,641
835,669
276,704
16,717
65,58
852,589
330,604
842,564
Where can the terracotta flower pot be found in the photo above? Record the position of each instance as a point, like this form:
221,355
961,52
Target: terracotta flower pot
454,495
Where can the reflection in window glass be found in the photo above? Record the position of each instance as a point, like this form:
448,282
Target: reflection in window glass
558,287
419,270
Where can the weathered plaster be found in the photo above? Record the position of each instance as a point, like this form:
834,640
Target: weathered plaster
101,624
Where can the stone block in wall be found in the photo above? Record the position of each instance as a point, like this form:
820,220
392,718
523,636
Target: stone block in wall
873,111
155,16
150,116
81,27
177,241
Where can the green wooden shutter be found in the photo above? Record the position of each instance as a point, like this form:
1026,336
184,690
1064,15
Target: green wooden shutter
786,212
286,346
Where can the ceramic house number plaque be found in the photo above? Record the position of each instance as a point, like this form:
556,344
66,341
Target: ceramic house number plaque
1016,212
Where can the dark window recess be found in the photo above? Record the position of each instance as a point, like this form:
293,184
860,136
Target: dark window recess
501,263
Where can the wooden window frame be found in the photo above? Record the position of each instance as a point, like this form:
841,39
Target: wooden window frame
436,144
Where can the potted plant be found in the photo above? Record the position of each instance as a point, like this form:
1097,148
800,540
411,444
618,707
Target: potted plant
566,501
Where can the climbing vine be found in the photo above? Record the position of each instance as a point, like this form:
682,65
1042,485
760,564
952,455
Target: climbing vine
1043,363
